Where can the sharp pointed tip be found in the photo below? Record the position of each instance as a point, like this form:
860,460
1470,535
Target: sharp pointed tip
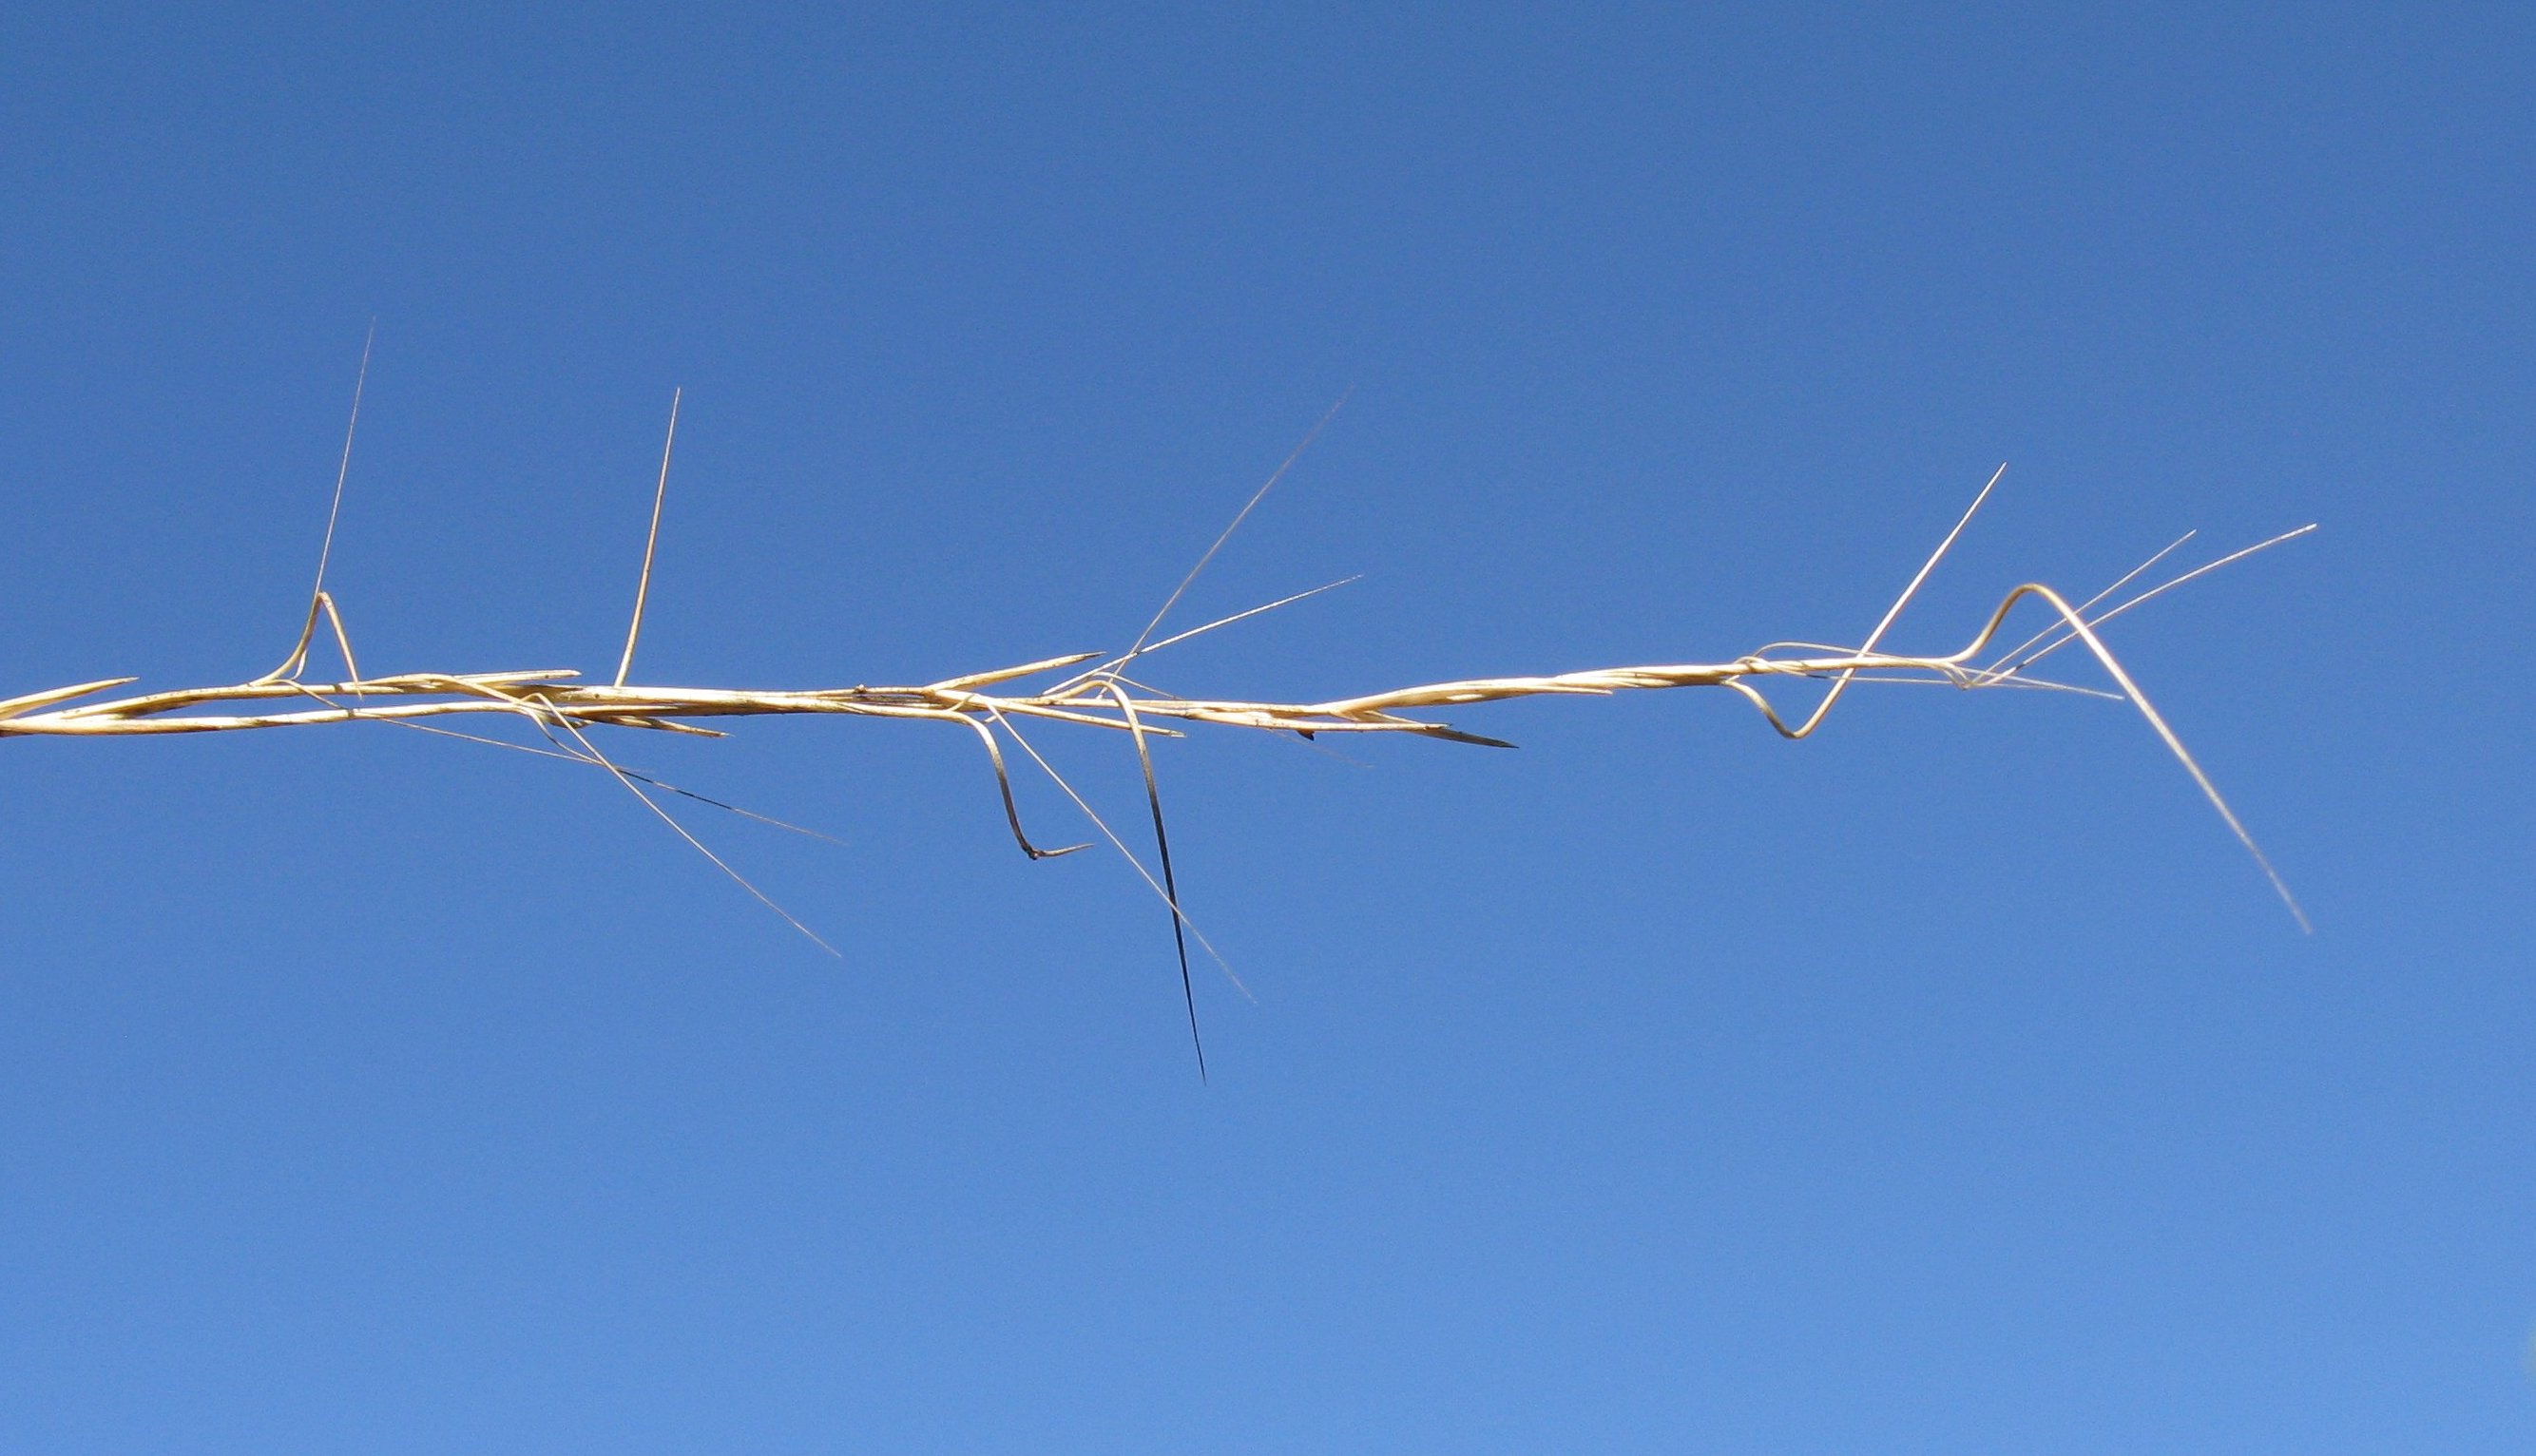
2298,912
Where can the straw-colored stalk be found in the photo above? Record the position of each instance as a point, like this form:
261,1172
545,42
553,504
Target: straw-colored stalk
993,705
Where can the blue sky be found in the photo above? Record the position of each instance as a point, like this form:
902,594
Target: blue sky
1949,1082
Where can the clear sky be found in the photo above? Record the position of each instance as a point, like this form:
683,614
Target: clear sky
1947,1083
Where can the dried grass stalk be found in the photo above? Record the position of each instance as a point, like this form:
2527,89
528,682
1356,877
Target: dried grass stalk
993,705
